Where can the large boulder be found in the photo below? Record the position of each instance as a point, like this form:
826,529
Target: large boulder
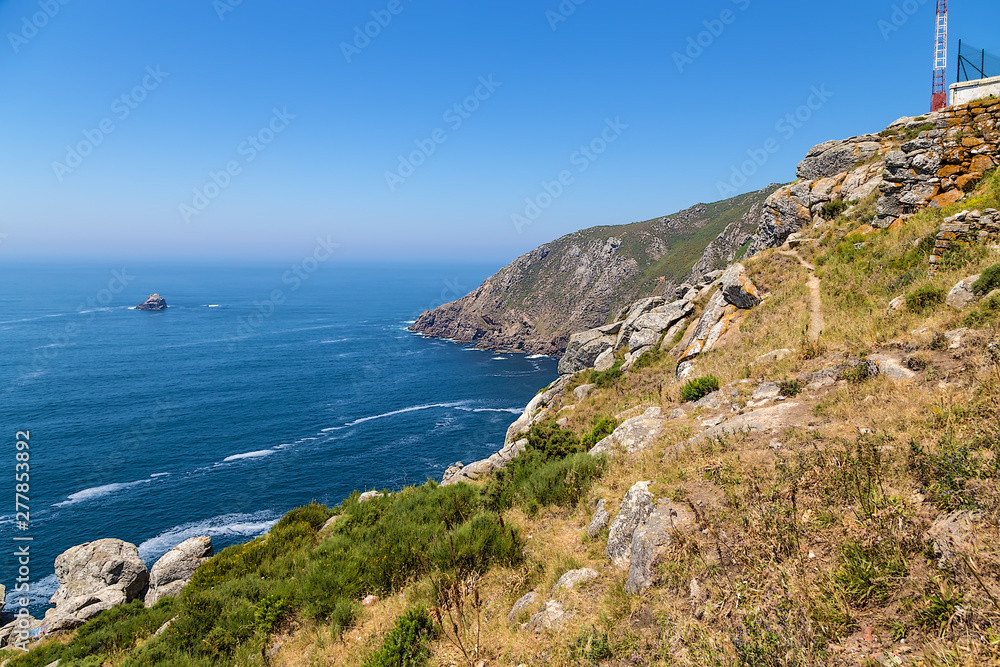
154,302
600,520
738,289
635,509
174,569
835,157
583,350
632,435
714,322
961,295
650,540
574,578
523,604
646,327
94,577
550,618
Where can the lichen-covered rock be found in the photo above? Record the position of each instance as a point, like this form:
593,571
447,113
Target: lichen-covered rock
550,618
635,508
738,289
600,520
583,350
574,578
369,495
650,540
94,577
714,322
633,435
836,157
174,569
961,295
523,604
605,361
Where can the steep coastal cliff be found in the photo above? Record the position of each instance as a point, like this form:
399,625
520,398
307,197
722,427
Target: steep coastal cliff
575,282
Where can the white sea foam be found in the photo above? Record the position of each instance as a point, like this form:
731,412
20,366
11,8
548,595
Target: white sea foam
414,408
259,454
99,492
537,356
212,305
39,594
226,525
499,358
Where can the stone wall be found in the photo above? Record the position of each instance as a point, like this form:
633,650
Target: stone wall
964,228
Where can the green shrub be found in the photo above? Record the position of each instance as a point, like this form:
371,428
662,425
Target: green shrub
790,388
651,357
924,298
988,281
857,373
698,388
603,427
604,379
832,209
553,469
988,313
406,644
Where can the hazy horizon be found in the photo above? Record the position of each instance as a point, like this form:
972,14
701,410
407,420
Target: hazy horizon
229,130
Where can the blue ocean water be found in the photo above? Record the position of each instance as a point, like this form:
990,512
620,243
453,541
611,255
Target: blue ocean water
260,389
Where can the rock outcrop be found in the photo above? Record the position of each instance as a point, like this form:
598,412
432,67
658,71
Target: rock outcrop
930,160
636,507
633,435
650,540
174,569
574,283
965,228
93,577
154,302
737,293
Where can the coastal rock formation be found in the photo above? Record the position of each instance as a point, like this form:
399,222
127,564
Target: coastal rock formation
93,577
574,283
651,539
174,569
154,302
633,435
636,507
737,293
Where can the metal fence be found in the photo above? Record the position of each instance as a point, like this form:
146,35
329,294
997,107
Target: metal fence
975,63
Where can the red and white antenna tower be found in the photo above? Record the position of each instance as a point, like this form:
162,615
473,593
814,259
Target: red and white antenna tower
939,92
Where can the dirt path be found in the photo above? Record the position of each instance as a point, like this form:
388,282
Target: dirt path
815,305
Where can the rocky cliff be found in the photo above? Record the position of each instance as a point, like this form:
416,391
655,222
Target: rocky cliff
581,280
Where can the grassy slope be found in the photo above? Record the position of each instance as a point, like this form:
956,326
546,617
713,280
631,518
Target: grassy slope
826,557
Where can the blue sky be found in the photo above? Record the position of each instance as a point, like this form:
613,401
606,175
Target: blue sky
237,130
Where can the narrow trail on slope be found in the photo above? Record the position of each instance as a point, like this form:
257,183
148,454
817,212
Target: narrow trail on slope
815,305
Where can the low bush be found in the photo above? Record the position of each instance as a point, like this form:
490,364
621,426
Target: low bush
924,298
698,388
406,644
604,379
833,208
790,388
988,281
867,573
987,314
603,427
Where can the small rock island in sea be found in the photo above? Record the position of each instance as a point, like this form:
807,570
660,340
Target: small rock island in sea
154,302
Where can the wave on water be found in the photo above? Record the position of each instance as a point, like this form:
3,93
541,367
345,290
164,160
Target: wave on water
226,525
513,411
211,305
414,408
99,492
260,453
40,592
537,356
499,358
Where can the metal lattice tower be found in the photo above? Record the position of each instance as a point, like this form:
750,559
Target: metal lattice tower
939,91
